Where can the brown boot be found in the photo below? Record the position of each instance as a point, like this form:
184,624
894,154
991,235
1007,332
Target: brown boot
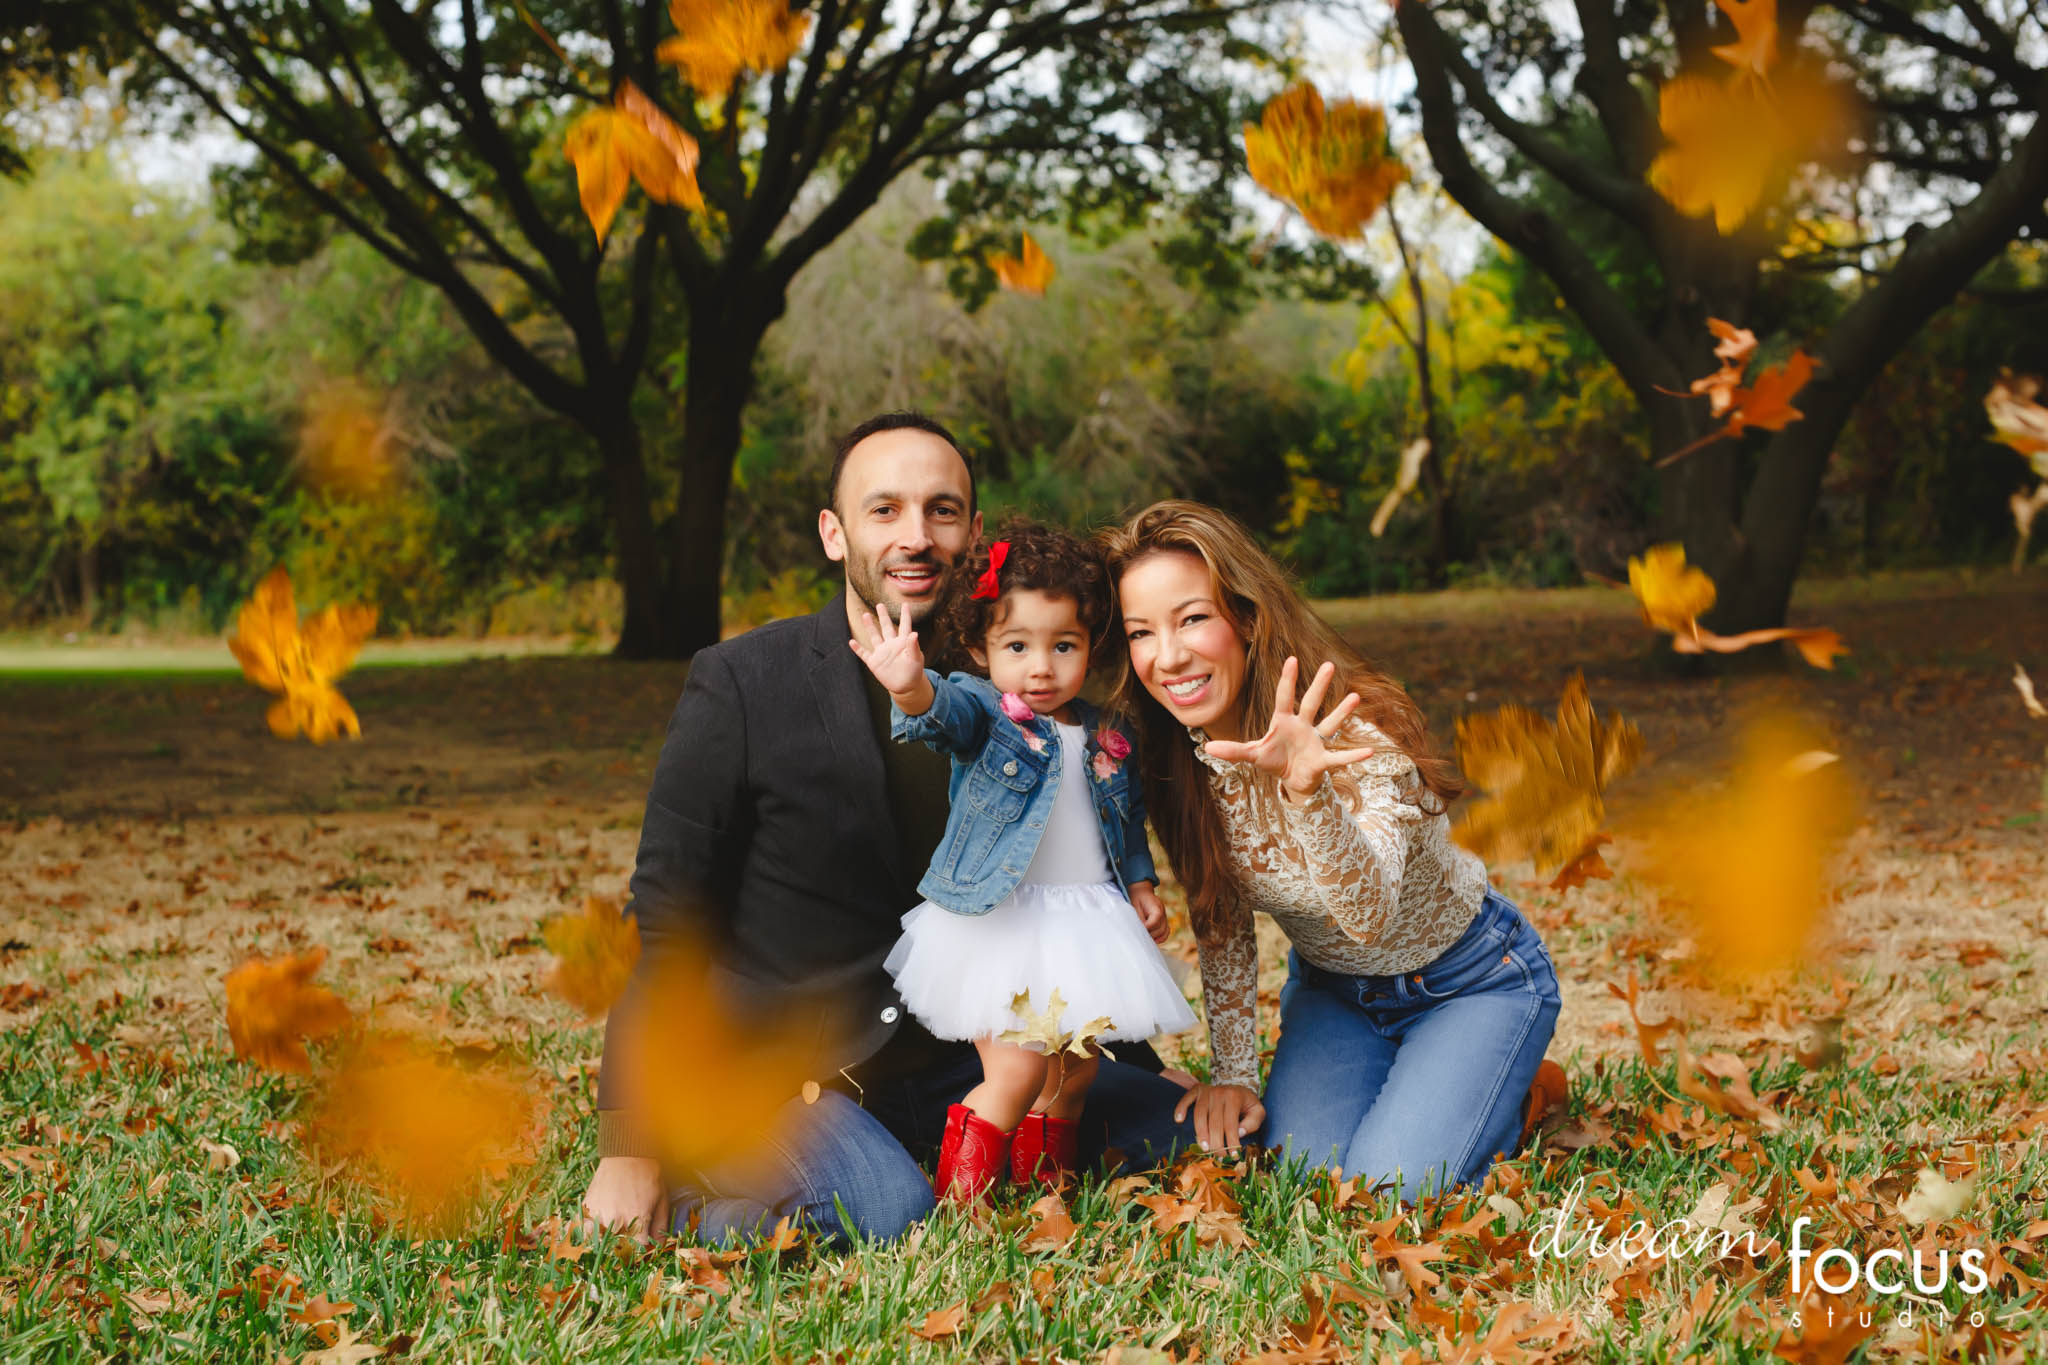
1044,1149
973,1155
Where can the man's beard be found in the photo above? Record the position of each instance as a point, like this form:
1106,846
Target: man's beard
870,582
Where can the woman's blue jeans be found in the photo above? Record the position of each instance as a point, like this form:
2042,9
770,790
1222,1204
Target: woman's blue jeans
1417,1079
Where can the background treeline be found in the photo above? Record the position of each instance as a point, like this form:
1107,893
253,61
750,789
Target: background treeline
164,405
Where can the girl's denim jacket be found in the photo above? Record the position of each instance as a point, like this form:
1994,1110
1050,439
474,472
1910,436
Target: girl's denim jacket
1002,792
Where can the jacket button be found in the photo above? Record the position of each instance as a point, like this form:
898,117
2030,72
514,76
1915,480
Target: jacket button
1010,768
889,1014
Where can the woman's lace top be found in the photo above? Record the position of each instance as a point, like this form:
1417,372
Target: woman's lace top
1364,887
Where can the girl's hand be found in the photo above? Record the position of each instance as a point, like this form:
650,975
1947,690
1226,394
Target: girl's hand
891,651
1224,1115
627,1195
1293,748
1151,913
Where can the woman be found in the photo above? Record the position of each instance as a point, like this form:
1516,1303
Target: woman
1418,1001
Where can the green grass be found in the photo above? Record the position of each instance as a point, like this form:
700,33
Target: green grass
98,1214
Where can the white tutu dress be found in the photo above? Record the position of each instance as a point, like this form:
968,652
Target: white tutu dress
1067,927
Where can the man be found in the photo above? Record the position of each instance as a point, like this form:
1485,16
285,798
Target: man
783,825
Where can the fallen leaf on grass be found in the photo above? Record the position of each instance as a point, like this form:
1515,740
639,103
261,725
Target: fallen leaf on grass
347,1349
594,955
1507,1342
1052,1228
273,1007
301,660
942,1323
1746,862
1543,780
1828,1333
1935,1198
1647,1035
219,1155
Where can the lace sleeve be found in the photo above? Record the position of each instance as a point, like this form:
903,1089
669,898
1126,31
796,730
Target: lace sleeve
1230,999
1356,852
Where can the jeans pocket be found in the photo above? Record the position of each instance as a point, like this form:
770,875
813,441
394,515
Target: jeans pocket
1486,963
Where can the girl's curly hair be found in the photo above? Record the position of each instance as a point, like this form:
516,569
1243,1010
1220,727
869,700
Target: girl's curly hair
1046,558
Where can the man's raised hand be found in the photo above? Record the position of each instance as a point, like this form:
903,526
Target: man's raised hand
1294,747
891,650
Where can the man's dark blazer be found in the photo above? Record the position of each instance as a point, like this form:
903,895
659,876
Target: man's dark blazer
768,829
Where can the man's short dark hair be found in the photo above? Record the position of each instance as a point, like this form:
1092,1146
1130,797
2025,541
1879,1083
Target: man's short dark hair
901,420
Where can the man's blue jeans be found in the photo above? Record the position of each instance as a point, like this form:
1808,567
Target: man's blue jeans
1418,1079
860,1154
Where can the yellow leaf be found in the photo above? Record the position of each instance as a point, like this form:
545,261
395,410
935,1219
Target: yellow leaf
348,444
1756,32
2017,419
1673,593
718,39
1331,162
1543,781
273,1008
1028,272
706,1080
1731,142
1936,1198
1746,861
631,141
280,655
595,952
430,1135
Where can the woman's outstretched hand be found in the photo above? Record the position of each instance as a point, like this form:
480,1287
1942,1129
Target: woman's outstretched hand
891,651
1225,1115
1293,747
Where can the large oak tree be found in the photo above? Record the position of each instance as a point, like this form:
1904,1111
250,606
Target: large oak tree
433,130
1957,155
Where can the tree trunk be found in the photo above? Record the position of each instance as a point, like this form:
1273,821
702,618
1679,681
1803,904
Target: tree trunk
724,341
643,632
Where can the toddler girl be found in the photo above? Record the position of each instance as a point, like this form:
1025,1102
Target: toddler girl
1043,881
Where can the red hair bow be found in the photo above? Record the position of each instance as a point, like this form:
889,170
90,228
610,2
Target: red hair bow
986,586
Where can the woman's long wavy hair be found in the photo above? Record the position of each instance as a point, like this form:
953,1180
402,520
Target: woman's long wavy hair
1269,615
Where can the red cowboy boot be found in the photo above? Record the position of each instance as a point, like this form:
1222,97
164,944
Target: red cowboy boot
1044,1149
972,1156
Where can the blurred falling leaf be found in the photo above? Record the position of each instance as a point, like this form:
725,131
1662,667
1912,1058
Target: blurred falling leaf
1735,347
1733,141
2017,419
281,654
1745,862
1028,272
348,443
1412,456
692,1040
273,1008
1821,1045
2025,685
1830,1328
2025,507
717,39
1936,1198
631,141
594,955
1332,163
1647,1035
428,1134
1673,594
1543,780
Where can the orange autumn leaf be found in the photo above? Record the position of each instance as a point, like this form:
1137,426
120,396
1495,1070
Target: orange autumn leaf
1028,272
279,653
1755,48
1733,142
1588,866
692,1039
1671,592
430,1135
631,141
1745,862
941,1323
1331,162
1543,779
594,955
1831,1327
717,39
273,1007
1647,1035
1767,404
1051,1227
